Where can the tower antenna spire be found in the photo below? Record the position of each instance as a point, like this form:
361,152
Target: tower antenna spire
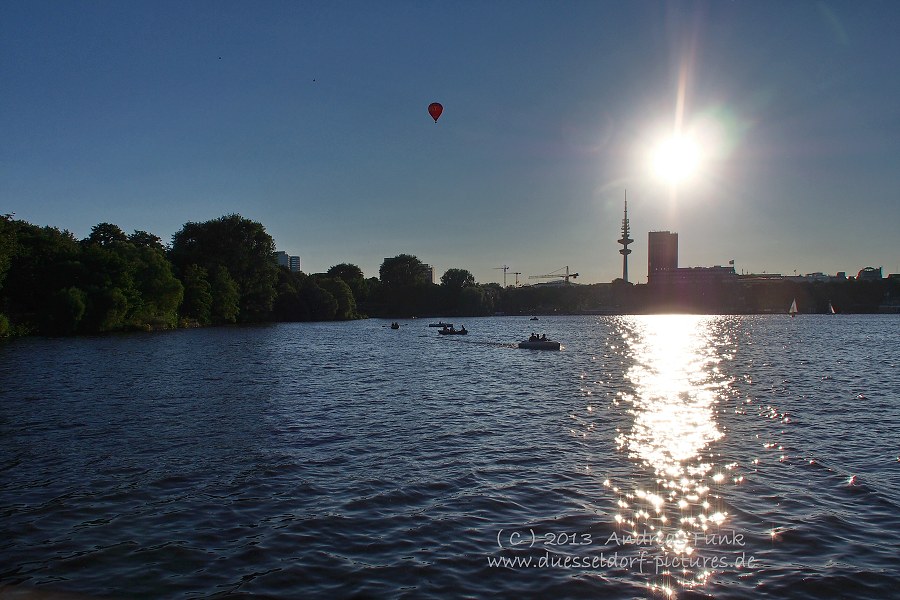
625,240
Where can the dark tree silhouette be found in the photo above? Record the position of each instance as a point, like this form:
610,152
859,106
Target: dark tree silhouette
403,270
457,278
243,248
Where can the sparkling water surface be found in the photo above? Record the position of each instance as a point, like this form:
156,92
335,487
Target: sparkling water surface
654,456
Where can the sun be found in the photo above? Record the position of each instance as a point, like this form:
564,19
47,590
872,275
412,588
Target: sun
676,159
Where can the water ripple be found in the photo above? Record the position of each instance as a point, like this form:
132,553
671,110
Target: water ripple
650,456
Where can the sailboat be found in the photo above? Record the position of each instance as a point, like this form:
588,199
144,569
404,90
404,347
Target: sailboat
793,309
831,310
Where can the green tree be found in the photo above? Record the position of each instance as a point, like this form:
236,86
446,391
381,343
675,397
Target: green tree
198,299
7,248
107,309
64,312
343,296
405,288
403,270
345,271
290,303
43,260
457,278
353,276
130,285
106,282
239,245
322,305
7,244
108,279
142,238
105,234
160,291
225,296
475,300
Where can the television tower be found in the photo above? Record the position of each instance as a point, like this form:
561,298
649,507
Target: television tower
625,241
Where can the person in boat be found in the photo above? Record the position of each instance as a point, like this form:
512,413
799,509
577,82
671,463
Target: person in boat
533,337
544,337
462,329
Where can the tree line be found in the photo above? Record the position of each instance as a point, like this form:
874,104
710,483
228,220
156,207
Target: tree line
224,271
215,272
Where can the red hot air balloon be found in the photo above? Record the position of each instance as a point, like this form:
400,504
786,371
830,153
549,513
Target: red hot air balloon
435,110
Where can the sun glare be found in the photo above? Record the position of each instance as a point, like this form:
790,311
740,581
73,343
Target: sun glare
676,159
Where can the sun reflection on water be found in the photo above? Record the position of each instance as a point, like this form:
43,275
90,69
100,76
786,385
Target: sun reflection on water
676,386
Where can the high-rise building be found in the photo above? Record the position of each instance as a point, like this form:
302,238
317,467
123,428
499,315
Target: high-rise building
662,252
286,260
625,240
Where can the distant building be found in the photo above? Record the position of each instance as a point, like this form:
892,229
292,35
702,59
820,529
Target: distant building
869,274
694,276
662,253
818,277
286,260
554,283
662,265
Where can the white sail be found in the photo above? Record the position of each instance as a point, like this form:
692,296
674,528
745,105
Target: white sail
793,310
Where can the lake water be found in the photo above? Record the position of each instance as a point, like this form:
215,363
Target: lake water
654,456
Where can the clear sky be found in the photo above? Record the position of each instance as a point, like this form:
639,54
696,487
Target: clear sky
311,118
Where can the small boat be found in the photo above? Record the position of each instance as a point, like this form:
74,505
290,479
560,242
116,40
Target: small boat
451,331
440,324
793,309
534,318
539,345
395,325
831,310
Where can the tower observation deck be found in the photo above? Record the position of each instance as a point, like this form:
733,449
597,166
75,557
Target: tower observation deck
625,240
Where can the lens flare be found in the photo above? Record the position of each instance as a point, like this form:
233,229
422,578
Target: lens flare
676,159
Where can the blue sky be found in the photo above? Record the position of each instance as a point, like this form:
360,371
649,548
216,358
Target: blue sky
311,118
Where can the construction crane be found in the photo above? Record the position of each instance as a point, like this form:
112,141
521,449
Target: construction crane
517,273
505,269
554,274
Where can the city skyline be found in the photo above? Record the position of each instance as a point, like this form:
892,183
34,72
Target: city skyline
312,119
